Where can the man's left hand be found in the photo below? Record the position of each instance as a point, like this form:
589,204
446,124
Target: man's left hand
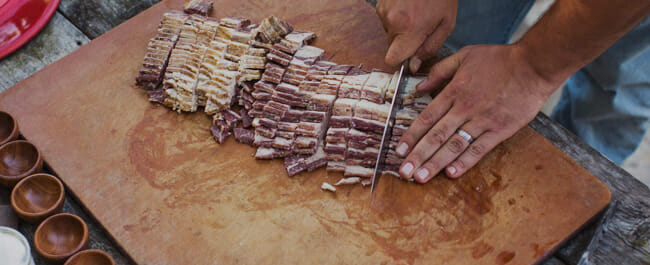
493,91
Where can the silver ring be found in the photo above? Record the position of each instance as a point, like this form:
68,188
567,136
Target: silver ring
465,135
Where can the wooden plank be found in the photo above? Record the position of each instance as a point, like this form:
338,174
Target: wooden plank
95,17
157,190
56,40
553,261
623,236
98,239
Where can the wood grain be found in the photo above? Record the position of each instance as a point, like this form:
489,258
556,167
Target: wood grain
9,128
622,236
58,38
60,236
90,257
164,183
95,18
18,159
37,197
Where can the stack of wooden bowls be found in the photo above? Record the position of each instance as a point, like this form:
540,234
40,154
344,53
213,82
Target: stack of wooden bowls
38,198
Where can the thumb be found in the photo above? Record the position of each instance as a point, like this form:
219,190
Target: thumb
441,72
402,47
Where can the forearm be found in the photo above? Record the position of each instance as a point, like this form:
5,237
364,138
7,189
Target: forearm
574,32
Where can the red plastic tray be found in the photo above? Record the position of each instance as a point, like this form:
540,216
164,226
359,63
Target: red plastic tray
20,20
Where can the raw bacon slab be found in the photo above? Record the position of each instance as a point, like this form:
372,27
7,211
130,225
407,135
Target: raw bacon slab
367,125
285,134
306,56
218,134
244,136
199,7
344,107
295,164
262,141
318,70
271,30
282,143
335,166
339,122
372,111
295,40
279,57
305,142
336,148
260,95
358,171
374,89
316,160
314,116
352,85
159,50
265,131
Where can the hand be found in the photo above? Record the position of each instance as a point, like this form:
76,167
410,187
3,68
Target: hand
416,28
493,93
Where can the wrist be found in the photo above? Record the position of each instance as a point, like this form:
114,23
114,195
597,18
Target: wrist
549,67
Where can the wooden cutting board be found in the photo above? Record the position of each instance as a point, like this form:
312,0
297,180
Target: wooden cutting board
169,194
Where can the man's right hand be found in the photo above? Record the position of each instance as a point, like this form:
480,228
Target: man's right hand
416,28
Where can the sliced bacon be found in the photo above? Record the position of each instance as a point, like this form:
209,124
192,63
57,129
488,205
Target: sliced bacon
219,134
339,122
244,136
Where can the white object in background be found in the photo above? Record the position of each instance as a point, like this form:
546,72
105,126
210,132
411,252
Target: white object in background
14,248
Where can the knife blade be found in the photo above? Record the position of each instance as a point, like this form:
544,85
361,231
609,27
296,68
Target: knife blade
395,105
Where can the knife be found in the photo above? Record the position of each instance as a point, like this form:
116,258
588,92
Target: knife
395,105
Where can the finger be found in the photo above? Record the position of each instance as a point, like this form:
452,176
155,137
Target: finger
382,9
402,47
441,72
429,144
476,150
438,107
430,47
446,154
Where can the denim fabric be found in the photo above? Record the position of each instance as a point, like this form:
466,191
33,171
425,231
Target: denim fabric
607,103
487,21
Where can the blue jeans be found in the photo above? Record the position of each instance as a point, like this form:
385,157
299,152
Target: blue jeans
606,103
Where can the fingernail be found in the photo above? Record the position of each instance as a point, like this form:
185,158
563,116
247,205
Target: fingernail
451,171
422,174
401,149
407,168
415,64
419,85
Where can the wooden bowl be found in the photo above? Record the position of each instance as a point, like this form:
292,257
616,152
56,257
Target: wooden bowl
37,197
18,159
60,236
90,257
8,128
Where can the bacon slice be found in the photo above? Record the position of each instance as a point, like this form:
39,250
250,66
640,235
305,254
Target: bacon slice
358,171
294,40
352,85
348,181
374,89
244,136
158,51
327,187
199,7
271,30
219,134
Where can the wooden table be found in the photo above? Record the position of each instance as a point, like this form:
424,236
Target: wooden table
620,236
